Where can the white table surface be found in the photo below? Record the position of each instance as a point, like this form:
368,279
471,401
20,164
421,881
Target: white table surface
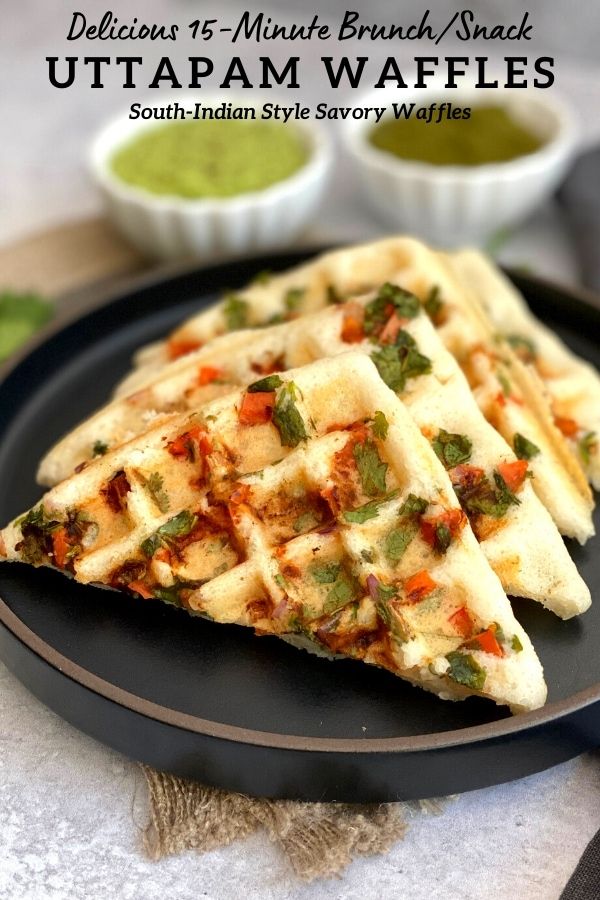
70,808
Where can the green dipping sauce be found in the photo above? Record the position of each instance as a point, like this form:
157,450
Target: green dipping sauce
490,135
210,158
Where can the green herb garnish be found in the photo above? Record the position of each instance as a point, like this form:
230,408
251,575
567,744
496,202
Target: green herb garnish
452,449
180,525
377,312
433,305
235,311
442,537
465,669
287,419
20,316
325,573
346,588
293,299
333,297
371,468
99,448
305,522
516,644
487,499
397,541
368,511
396,364
587,445
524,347
413,506
380,425
265,385
154,486
504,383
524,448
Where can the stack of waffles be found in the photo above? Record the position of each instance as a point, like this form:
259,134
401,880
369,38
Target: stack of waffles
363,456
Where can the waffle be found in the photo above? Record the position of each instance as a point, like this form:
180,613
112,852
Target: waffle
573,384
463,325
520,540
309,507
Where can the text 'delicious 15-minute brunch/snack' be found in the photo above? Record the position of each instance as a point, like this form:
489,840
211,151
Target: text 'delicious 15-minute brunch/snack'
478,308
493,481
309,506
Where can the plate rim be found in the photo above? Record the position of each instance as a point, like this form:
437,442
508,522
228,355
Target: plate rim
490,731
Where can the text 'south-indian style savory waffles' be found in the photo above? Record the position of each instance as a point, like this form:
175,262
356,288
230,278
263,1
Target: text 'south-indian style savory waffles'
309,506
492,480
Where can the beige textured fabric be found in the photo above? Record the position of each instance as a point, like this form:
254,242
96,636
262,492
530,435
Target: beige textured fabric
318,839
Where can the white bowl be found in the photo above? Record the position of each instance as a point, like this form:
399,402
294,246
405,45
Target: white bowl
170,227
452,205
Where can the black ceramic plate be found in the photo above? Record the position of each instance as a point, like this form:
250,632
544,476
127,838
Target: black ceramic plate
216,703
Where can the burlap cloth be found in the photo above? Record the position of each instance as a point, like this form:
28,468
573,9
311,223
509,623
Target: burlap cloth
77,263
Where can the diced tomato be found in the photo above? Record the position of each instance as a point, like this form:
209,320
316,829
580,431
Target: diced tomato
207,375
163,555
240,495
462,621
391,328
569,427
176,348
419,586
269,366
256,409
352,329
466,477
487,642
142,589
513,473
60,546
189,443
454,520
500,399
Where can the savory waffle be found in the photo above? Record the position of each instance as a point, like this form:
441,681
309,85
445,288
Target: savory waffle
307,506
516,532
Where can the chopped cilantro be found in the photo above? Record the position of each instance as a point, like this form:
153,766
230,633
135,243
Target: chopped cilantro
293,298
465,669
367,556
287,419
20,316
377,312
587,445
413,506
452,449
396,364
305,522
368,511
346,588
487,499
325,573
333,297
398,540
99,448
235,312
371,468
265,385
179,526
442,537
172,593
262,277
154,486
433,305
280,581
516,644
524,448
380,425
504,383
524,347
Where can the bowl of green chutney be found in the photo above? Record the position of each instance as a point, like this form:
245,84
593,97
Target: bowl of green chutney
202,178
463,164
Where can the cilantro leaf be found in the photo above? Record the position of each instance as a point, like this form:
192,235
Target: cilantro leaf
265,385
413,506
180,525
524,448
235,311
523,347
293,299
465,669
325,573
99,448
588,445
287,419
368,511
397,541
396,364
346,588
452,449
516,644
433,305
371,468
380,425
154,486
377,312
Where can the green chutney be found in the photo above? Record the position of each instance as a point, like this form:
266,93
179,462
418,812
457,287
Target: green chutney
210,158
490,135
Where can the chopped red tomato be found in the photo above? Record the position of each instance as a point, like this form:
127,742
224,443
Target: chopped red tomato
500,399
207,375
569,427
462,621
419,586
240,495
513,473
454,520
142,589
60,546
162,555
190,443
256,409
176,348
352,329
391,328
487,642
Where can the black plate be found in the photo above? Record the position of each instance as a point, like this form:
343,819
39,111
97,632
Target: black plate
217,703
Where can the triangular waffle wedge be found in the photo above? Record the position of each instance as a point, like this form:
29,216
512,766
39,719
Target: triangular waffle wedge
572,383
316,509
517,533
459,317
